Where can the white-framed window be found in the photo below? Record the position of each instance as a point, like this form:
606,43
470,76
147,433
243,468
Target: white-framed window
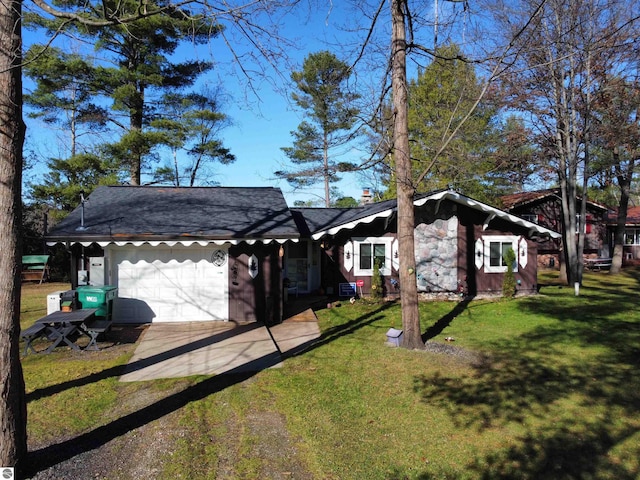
632,236
367,251
495,248
530,217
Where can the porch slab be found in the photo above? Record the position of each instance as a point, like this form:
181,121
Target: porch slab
173,350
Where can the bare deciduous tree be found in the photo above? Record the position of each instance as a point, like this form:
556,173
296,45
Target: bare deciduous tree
553,83
412,337
403,41
13,408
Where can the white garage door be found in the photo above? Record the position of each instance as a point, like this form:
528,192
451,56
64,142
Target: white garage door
170,284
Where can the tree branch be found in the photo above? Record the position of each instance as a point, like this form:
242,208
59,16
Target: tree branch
485,87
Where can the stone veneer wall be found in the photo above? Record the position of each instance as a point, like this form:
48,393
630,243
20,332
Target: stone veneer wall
436,255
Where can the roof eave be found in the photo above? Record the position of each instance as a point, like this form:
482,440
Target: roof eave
438,197
496,213
352,224
155,240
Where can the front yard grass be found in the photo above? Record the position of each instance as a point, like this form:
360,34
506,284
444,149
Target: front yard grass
553,393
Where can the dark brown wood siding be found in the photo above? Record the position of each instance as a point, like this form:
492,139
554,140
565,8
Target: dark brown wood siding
332,259
470,228
478,281
259,298
350,276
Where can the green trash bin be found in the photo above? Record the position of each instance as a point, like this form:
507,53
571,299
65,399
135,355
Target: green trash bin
98,297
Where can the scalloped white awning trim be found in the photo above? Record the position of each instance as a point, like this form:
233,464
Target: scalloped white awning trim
171,243
353,224
491,212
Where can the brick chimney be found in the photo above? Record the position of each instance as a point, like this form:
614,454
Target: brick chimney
366,197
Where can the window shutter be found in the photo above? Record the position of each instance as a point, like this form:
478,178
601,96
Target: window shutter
479,251
395,255
348,256
588,223
522,253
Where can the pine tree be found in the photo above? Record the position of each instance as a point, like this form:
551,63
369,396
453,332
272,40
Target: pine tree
192,124
439,98
140,54
331,114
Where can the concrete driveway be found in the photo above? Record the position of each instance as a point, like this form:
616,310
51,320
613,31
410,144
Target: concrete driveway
171,350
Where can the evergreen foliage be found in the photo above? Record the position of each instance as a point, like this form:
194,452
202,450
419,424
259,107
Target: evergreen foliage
509,281
67,178
192,123
345,202
64,92
329,108
439,99
377,283
486,158
133,68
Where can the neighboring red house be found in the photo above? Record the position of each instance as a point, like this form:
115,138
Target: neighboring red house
544,207
631,250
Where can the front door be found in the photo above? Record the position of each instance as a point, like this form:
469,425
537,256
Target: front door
303,265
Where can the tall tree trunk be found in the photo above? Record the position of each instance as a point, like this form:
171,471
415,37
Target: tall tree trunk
13,410
567,170
624,177
327,178
582,224
568,189
136,119
618,242
176,170
412,337
586,132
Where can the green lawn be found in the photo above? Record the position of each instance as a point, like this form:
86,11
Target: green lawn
553,393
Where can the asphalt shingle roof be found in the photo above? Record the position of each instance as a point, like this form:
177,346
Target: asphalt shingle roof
319,219
633,216
521,198
160,213
322,221
514,200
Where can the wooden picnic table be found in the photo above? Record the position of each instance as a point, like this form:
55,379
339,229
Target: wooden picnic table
61,326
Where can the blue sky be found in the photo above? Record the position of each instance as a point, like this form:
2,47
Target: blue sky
256,138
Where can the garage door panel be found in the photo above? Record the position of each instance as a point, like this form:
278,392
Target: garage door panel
147,292
174,284
127,272
173,270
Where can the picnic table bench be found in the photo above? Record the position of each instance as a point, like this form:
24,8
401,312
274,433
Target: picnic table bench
95,328
30,334
61,327
597,263
35,267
